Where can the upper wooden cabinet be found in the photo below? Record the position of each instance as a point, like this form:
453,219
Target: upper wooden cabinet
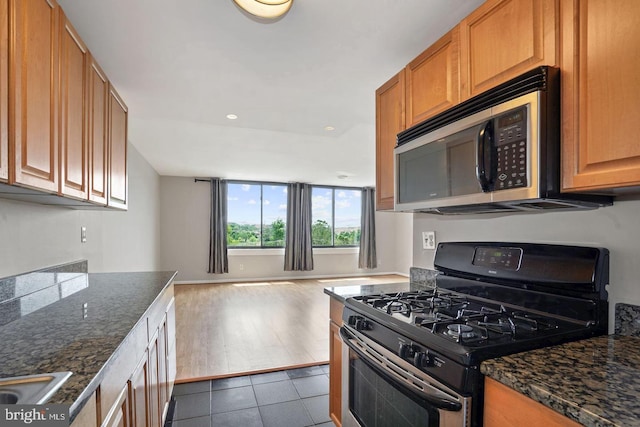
4,90
504,38
63,127
601,89
74,63
97,133
432,79
118,183
390,101
33,93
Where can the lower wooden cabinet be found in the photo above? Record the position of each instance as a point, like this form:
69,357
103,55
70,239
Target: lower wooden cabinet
137,385
335,362
153,384
505,407
119,415
89,413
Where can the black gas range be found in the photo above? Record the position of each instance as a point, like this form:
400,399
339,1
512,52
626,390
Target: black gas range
491,299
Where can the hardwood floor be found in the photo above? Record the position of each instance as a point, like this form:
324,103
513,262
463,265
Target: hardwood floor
239,328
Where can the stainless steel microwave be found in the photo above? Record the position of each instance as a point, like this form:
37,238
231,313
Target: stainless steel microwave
499,151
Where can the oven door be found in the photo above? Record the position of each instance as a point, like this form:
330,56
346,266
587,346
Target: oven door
382,390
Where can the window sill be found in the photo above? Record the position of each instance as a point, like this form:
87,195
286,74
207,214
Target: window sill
280,251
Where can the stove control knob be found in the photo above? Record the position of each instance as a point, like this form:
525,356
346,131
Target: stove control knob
422,359
352,320
361,324
405,351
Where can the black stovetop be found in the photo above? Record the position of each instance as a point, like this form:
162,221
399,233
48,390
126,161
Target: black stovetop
482,308
465,320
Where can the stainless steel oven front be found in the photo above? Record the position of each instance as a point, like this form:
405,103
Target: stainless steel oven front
380,389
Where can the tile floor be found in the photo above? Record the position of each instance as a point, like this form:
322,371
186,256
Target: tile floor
293,398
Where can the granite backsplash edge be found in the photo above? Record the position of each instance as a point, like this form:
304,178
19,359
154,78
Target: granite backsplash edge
422,276
627,320
23,293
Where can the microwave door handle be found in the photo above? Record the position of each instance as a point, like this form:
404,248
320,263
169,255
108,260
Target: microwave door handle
484,146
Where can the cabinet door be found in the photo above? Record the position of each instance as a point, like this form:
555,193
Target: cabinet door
335,374
118,187
74,59
33,94
505,407
600,92
153,384
432,79
138,388
97,133
162,368
504,38
389,121
118,415
171,346
4,90
335,362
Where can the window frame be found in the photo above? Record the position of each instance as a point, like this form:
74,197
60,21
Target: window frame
281,184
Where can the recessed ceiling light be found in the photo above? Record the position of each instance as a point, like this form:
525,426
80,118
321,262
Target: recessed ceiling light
329,128
231,116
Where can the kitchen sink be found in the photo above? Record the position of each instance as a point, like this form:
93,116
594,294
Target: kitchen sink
31,389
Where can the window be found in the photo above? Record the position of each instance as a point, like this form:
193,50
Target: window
335,216
256,215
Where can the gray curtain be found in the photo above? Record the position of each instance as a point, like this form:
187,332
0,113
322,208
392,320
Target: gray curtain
368,258
218,262
298,251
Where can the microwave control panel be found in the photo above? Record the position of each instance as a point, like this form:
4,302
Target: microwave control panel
511,146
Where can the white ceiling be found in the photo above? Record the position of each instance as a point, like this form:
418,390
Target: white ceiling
182,66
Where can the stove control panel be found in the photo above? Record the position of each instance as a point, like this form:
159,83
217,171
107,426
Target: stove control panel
503,258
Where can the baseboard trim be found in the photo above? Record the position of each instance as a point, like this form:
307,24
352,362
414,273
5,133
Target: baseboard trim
270,279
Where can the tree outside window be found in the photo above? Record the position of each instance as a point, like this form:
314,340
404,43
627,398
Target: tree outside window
336,216
257,213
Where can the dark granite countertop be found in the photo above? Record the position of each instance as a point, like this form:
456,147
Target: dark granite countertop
343,292
56,337
595,382
419,279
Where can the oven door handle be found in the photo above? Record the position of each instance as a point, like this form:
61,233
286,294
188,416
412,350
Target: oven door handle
435,398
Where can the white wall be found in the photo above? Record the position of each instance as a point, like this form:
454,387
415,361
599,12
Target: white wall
34,236
185,242
616,228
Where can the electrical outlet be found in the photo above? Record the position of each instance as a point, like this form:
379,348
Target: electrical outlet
428,239
241,267
83,234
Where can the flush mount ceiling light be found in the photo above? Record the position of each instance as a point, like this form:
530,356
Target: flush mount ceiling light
266,9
